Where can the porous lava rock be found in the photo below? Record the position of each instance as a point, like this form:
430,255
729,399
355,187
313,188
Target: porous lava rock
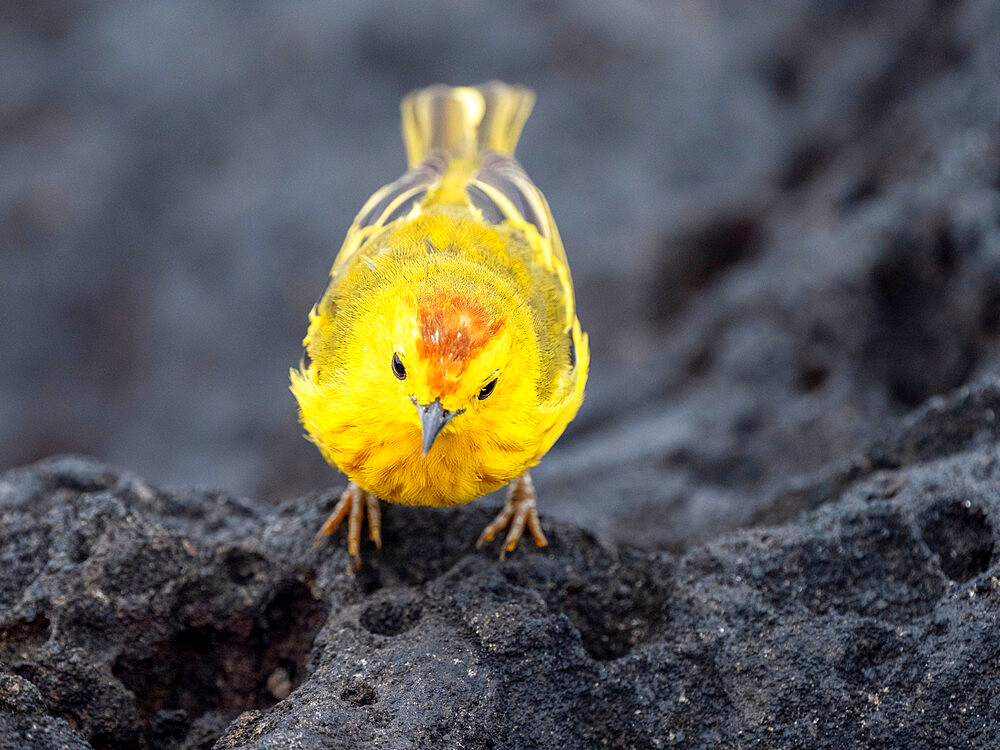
141,618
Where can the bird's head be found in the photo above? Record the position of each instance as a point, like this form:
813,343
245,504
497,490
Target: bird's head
450,361
438,360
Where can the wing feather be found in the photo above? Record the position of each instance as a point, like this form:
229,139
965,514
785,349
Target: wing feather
460,142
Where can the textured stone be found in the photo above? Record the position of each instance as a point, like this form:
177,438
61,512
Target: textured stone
146,618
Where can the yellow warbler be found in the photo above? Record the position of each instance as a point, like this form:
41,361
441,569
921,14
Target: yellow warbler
445,357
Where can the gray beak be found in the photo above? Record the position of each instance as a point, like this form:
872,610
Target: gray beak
433,418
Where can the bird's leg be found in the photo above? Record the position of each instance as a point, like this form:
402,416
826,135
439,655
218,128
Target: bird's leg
518,510
354,502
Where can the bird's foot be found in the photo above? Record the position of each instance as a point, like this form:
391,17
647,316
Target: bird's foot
518,510
353,505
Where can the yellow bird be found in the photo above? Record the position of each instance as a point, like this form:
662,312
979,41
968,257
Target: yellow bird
445,357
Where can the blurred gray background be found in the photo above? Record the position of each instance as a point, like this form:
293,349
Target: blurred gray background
783,227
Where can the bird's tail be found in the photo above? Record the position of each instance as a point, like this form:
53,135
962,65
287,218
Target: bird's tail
461,122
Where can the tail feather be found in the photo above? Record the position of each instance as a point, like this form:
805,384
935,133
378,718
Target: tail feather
505,112
463,121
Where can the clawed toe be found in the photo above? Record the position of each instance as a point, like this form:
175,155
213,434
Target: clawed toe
518,511
354,505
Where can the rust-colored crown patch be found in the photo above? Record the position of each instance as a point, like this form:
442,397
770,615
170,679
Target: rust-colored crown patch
453,328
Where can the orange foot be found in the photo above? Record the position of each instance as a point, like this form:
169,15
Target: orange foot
354,502
517,511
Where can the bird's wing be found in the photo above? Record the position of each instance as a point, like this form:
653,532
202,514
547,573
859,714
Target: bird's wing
460,143
501,193
398,201
498,192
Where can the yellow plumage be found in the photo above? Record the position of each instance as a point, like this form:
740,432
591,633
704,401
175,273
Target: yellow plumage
449,311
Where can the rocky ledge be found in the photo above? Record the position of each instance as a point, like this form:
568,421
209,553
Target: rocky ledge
132,617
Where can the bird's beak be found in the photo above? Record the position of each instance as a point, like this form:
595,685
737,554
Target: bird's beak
433,418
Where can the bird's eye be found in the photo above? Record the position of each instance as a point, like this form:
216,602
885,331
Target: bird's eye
397,367
486,390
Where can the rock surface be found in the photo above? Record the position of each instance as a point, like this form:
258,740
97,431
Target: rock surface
134,617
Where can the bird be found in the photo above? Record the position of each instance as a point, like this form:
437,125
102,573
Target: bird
445,357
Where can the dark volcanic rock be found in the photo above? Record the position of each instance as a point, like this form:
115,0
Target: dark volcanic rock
137,618
145,619
25,720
